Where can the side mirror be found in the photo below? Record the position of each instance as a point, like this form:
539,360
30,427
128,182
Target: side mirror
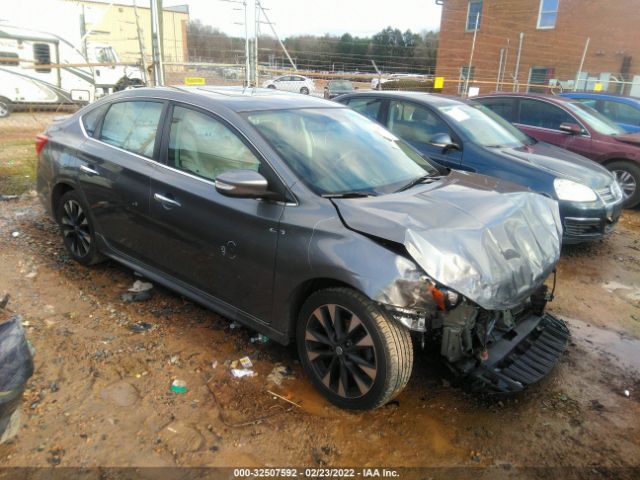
571,128
242,184
444,141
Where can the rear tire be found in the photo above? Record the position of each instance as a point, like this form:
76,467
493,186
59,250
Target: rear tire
304,91
5,107
354,354
272,87
628,176
77,229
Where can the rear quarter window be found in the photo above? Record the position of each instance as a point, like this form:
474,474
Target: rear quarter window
91,120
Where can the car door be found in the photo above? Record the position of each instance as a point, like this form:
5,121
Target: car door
418,125
222,246
542,120
116,162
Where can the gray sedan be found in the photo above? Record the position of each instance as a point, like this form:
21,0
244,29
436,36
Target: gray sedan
310,223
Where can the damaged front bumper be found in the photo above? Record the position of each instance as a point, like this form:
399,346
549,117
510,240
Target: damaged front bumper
522,356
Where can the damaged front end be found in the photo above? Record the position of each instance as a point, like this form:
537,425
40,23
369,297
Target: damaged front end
473,275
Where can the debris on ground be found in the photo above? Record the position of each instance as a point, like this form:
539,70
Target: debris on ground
179,386
275,395
4,198
15,234
139,292
246,362
5,300
233,325
214,364
259,339
16,367
627,393
141,327
242,372
279,374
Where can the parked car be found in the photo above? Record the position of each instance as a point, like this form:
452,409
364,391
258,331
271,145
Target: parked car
468,136
337,87
304,220
291,83
577,127
625,111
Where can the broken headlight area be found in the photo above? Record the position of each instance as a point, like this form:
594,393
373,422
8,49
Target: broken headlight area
496,351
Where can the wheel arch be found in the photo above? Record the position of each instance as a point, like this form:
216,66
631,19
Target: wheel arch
56,194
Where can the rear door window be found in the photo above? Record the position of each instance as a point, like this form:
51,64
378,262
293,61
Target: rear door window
414,123
536,113
369,107
132,126
501,106
204,146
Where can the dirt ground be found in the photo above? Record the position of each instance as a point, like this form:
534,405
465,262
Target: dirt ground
100,395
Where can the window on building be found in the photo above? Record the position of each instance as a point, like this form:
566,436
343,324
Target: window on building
42,56
540,76
132,126
474,13
464,72
548,13
9,59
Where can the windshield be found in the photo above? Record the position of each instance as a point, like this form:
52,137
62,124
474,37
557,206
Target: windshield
336,150
595,119
340,85
484,127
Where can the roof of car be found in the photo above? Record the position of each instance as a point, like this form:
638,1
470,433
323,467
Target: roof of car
430,98
604,96
542,96
239,99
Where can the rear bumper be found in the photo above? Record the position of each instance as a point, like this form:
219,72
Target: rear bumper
525,358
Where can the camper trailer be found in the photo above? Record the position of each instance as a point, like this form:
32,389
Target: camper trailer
40,68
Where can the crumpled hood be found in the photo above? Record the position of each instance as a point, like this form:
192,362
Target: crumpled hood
494,248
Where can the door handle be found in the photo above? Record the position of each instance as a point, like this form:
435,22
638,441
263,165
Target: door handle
89,170
166,200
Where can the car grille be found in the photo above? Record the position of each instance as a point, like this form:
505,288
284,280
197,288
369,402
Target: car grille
607,194
582,226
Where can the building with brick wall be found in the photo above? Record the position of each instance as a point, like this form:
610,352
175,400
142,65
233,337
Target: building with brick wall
549,39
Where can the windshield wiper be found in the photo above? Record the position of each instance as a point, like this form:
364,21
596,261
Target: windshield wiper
347,195
416,181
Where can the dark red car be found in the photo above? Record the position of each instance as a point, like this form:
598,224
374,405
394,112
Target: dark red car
577,127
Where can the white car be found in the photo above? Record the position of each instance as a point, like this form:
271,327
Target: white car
291,83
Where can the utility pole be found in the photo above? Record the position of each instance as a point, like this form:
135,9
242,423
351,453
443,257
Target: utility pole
140,43
277,36
156,41
473,47
247,56
255,42
584,54
499,69
516,87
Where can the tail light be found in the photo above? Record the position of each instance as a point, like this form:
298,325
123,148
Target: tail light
41,141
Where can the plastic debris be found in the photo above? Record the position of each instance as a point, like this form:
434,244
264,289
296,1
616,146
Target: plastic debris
233,325
4,198
179,386
239,373
15,234
214,364
259,339
141,327
246,362
139,292
16,366
278,374
627,393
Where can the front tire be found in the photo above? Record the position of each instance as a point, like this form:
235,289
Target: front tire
5,107
304,91
354,354
77,229
273,87
628,177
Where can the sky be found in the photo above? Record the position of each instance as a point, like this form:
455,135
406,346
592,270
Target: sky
294,17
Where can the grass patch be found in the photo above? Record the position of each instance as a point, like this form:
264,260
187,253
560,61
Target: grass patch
17,166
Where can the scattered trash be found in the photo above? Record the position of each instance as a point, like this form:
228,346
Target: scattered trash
214,364
15,234
179,386
233,325
627,393
139,292
174,360
141,327
239,373
4,198
259,339
278,374
246,362
16,366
